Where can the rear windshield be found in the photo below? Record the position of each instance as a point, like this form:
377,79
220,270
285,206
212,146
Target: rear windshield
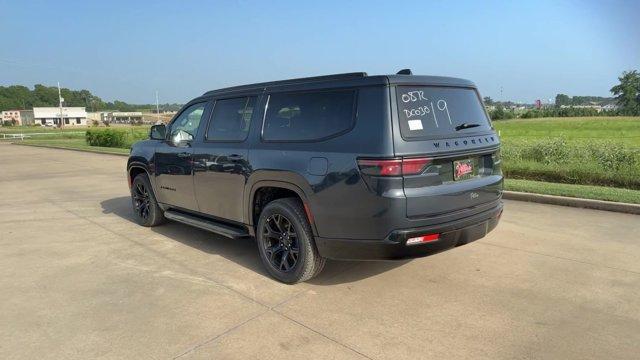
429,111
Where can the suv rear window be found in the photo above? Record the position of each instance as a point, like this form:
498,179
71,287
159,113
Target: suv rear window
429,111
308,116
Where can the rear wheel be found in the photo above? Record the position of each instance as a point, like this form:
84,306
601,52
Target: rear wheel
145,207
285,242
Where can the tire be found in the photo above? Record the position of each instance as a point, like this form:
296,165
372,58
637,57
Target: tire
276,242
145,206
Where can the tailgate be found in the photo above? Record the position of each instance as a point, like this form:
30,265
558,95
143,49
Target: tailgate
454,183
449,127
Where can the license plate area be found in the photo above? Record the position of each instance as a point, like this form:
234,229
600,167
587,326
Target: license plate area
465,169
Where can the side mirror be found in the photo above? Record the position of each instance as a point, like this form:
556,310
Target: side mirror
158,132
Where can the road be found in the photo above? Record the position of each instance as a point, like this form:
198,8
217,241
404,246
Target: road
78,279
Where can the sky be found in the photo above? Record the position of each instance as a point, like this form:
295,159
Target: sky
128,50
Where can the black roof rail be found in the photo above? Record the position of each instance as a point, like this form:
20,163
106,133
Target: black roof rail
345,76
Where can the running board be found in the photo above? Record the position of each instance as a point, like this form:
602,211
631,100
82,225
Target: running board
206,224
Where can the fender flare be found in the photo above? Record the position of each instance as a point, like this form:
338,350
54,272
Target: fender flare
250,197
144,166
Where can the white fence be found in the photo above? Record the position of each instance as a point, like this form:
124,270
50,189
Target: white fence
23,136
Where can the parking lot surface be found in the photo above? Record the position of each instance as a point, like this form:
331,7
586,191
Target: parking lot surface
79,279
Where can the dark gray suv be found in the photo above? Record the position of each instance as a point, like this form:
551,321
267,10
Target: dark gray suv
345,166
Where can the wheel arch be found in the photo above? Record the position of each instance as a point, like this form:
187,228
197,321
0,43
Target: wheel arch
276,184
134,168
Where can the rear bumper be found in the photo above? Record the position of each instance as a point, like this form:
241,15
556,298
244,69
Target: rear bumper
452,234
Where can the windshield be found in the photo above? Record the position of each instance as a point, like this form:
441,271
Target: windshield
429,111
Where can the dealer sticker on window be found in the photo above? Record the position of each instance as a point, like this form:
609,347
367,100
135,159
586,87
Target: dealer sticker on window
415,124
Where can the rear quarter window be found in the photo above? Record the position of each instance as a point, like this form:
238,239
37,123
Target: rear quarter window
308,116
431,112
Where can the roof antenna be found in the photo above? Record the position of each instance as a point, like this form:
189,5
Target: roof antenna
405,72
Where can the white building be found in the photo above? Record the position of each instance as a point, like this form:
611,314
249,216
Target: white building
120,117
50,116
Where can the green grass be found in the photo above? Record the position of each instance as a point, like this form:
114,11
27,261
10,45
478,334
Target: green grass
68,128
623,130
577,191
75,144
599,151
39,129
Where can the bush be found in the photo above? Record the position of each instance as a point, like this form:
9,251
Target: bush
113,137
501,114
548,151
565,112
588,163
106,138
612,156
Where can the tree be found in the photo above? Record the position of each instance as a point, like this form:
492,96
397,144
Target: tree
487,100
562,99
627,93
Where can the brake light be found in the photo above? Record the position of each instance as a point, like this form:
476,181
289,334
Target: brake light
393,167
423,239
414,166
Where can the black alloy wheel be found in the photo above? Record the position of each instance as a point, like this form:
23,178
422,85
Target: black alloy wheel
286,242
141,200
280,243
145,207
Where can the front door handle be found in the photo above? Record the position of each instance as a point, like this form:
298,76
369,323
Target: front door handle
184,155
234,157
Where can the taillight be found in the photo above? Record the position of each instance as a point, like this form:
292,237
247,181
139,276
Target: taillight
393,167
414,166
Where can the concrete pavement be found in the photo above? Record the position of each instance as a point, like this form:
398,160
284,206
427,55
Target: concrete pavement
79,279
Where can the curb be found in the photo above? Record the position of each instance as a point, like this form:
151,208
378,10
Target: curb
573,202
72,149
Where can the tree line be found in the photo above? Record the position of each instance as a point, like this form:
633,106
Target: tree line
626,96
18,97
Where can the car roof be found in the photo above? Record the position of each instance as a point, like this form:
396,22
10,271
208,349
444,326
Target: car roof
347,79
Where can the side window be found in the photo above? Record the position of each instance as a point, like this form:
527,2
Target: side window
184,128
308,116
231,119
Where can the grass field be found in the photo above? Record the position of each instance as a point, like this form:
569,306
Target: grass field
39,129
570,190
601,151
50,130
74,144
623,130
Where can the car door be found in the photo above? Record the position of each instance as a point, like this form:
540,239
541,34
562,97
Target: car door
221,166
174,159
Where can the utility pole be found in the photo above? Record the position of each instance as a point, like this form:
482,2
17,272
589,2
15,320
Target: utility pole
157,108
60,99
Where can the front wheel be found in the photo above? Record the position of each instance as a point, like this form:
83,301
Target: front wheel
285,242
146,210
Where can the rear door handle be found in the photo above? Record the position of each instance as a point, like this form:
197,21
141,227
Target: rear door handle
184,155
